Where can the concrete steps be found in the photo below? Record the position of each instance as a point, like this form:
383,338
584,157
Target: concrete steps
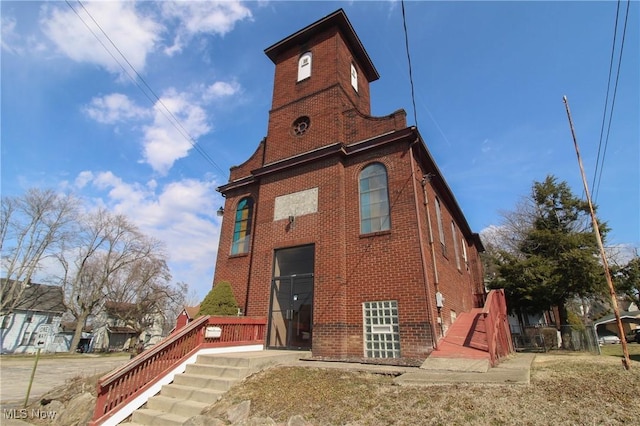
203,383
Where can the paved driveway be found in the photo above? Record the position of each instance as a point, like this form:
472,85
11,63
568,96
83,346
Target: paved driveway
15,372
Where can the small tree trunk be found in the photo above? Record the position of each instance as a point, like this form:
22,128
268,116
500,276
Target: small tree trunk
565,329
77,335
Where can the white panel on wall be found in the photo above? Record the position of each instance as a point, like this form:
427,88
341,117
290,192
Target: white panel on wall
296,204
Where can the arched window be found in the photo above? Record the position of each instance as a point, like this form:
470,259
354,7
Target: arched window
304,66
242,226
374,199
354,77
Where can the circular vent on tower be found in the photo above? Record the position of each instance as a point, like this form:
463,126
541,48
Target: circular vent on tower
301,125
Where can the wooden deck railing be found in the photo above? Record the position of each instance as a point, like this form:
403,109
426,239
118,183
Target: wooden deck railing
121,386
497,327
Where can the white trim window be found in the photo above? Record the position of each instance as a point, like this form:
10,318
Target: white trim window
374,199
456,251
440,227
304,66
354,77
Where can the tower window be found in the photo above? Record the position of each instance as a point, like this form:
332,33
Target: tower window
242,226
304,66
301,125
374,199
354,77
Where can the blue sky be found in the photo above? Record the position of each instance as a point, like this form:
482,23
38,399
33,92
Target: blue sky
489,79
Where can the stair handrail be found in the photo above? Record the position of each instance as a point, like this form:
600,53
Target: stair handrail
499,342
121,386
118,387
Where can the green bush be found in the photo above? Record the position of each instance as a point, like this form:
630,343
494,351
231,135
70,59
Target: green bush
219,301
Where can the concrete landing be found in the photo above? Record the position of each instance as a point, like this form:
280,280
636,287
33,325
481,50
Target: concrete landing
514,370
463,365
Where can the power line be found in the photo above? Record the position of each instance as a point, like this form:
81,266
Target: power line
165,111
406,42
613,100
606,98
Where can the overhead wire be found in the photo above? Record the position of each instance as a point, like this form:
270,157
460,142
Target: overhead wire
153,98
406,42
606,98
595,185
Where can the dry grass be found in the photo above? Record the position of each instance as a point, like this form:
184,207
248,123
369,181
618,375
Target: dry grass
564,390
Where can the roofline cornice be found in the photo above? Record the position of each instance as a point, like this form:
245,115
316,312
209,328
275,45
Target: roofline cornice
409,135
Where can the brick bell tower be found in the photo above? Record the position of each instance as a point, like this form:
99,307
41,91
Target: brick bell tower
322,72
319,230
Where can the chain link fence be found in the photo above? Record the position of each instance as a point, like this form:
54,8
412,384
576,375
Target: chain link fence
541,338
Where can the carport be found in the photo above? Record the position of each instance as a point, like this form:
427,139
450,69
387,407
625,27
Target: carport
627,317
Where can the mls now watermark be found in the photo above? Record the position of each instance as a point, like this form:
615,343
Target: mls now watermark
23,414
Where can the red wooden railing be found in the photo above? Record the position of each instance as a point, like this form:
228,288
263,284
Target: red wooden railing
121,386
497,326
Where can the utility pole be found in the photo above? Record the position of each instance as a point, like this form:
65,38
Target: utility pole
626,362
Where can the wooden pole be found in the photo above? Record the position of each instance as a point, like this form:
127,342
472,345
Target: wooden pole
33,374
626,362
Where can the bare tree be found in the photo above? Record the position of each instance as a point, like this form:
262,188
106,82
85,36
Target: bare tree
32,227
142,294
105,244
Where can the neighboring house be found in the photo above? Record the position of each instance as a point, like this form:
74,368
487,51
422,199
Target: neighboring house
519,322
340,228
68,329
117,327
188,314
34,322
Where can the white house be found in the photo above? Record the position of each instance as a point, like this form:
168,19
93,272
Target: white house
34,322
117,325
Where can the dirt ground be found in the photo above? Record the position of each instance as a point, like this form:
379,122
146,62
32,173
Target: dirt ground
565,389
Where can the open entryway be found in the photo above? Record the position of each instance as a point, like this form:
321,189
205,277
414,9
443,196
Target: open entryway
291,312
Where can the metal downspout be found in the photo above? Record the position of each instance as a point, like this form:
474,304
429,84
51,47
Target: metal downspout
436,278
425,273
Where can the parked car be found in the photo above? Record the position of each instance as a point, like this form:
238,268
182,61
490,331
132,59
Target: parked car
633,336
606,338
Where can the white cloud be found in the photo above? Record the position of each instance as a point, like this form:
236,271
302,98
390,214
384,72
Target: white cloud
83,179
213,17
114,108
166,140
181,213
170,127
220,89
9,36
134,34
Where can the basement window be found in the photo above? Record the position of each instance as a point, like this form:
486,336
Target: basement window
381,331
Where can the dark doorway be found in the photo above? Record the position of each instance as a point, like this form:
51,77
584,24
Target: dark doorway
291,313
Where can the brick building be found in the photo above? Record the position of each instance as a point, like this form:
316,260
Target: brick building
340,227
